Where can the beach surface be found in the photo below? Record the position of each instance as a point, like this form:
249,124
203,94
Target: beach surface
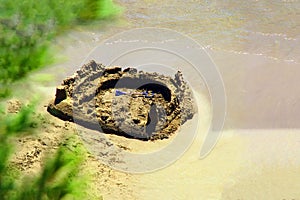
255,46
244,164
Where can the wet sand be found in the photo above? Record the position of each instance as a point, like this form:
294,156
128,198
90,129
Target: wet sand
257,156
245,164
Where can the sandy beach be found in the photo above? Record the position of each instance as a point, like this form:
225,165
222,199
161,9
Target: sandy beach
245,164
252,166
255,46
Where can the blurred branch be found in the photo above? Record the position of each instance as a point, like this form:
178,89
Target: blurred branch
59,177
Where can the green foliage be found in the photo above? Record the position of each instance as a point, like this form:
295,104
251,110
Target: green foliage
11,126
19,123
59,178
95,9
23,39
27,27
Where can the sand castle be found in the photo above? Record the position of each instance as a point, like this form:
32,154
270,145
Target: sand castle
127,102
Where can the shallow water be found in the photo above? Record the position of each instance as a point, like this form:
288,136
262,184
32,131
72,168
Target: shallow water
255,44
267,28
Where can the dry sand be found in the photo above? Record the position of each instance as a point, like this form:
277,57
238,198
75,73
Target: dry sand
32,150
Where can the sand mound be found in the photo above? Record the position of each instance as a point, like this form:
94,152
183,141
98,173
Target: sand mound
126,102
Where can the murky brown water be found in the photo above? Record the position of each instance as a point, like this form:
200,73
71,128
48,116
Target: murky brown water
267,28
255,44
